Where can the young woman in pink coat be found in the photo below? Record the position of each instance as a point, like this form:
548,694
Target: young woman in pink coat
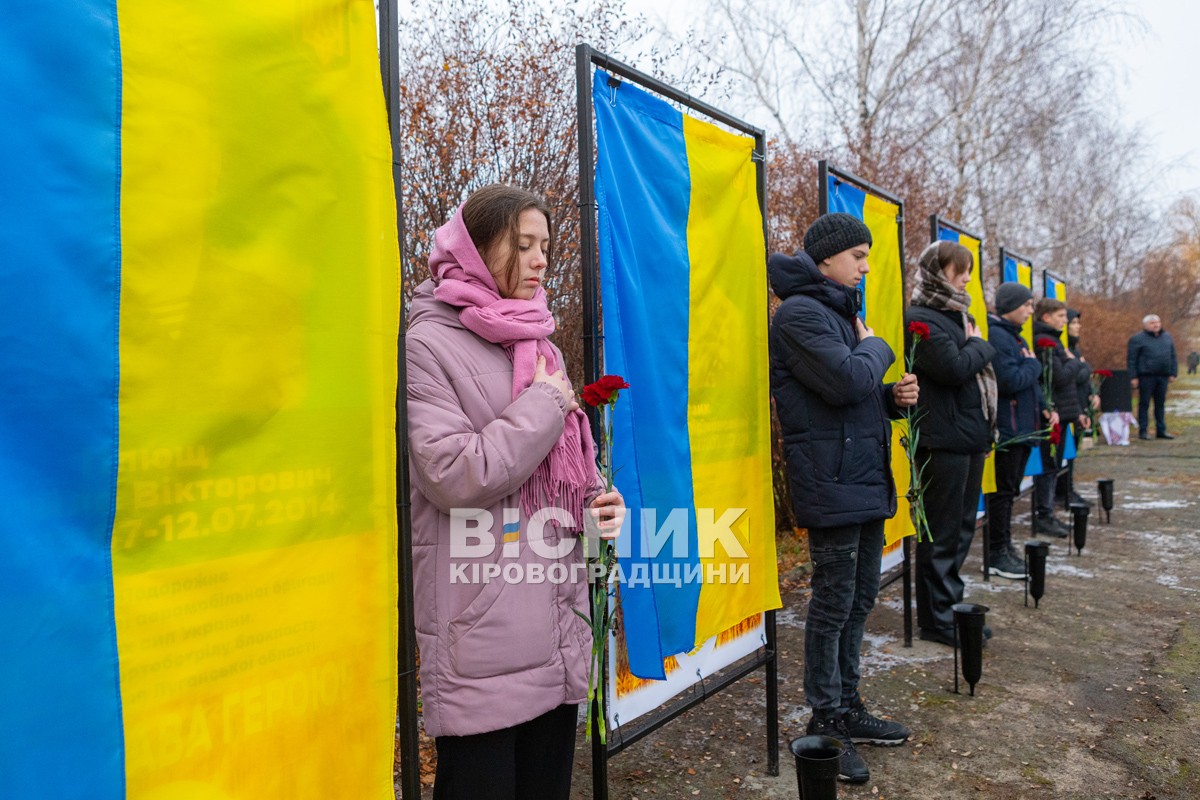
503,475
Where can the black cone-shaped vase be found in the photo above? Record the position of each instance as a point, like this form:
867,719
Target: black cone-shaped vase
1105,487
968,622
816,766
1079,521
1035,569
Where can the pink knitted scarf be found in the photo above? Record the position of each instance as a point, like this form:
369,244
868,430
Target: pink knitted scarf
521,327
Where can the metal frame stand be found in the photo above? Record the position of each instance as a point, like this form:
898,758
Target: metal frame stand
585,58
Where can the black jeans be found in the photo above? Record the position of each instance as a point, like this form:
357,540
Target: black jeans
1010,469
952,483
1152,387
845,582
533,759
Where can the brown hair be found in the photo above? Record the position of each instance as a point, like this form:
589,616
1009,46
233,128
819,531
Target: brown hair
493,212
947,258
1047,305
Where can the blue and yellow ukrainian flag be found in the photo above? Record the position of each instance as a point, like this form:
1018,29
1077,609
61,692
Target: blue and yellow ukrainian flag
883,311
1019,271
685,322
197,340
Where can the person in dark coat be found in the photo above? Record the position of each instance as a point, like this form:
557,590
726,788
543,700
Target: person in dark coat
1064,489
827,369
1050,317
1020,416
955,427
1152,364
1193,361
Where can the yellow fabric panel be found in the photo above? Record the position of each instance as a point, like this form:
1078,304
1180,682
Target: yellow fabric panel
1025,276
1060,293
884,301
729,402
254,537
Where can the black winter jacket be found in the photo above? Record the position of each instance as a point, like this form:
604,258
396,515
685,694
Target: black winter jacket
832,406
1018,381
1083,384
946,365
1065,384
1151,354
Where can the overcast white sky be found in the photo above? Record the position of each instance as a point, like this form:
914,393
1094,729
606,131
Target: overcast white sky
1159,71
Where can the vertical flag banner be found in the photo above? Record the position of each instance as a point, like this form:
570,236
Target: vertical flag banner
196,402
947,232
883,311
685,322
1055,288
1016,269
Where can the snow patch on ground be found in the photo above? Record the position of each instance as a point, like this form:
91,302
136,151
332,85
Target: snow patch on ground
1172,582
789,617
1147,505
1063,568
882,652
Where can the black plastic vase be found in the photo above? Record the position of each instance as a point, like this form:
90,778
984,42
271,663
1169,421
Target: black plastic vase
1105,488
969,619
816,766
1035,570
1079,522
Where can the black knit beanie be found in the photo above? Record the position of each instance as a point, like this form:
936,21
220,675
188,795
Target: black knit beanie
833,233
1010,296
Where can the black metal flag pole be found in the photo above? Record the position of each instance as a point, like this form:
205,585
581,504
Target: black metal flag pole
406,646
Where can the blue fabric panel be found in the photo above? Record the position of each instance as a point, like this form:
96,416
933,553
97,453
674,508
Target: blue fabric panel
643,192
845,198
60,723
1011,273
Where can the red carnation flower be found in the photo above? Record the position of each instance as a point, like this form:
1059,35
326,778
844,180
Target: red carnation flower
1056,435
1103,373
919,330
1046,343
604,390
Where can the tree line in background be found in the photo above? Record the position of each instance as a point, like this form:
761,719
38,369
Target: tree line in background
995,114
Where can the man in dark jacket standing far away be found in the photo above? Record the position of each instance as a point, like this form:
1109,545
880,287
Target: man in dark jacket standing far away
827,369
1152,364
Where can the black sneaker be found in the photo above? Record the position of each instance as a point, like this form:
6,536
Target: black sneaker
1164,435
1049,526
851,767
1004,565
865,727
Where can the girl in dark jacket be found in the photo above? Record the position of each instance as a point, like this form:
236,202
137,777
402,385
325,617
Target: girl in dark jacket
1049,319
956,427
826,377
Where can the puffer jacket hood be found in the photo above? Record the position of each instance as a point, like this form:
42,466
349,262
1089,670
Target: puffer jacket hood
798,275
426,308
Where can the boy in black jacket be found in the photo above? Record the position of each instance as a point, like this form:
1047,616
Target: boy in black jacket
1021,413
826,377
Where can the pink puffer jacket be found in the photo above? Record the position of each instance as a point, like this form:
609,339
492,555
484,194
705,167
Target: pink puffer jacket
494,652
